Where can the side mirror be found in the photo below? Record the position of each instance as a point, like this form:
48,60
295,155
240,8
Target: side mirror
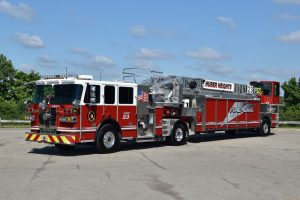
76,103
28,104
93,94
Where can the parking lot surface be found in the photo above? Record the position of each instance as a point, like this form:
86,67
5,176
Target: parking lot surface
215,166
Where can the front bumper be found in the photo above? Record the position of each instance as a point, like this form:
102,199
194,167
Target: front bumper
50,138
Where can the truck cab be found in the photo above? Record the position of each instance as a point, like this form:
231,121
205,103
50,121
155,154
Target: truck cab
267,91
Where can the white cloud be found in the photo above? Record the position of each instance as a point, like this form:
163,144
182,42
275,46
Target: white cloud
30,41
80,51
142,31
145,64
97,62
20,11
281,74
293,37
219,69
296,2
145,53
98,66
138,31
101,61
47,62
288,17
227,22
213,68
205,53
26,67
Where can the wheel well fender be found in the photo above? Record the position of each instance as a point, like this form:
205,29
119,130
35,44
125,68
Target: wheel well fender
184,124
267,118
112,122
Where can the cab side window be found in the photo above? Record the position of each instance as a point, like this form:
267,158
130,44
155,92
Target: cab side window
276,90
125,95
92,91
267,89
109,94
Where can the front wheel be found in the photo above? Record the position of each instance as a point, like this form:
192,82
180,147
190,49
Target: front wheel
107,140
264,129
178,136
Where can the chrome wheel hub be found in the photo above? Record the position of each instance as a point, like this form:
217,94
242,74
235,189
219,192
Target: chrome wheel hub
179,134
109,139
265,128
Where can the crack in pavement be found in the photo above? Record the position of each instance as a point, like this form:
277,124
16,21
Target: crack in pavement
163,187
260,168
108,176
42,168
236,185
153,162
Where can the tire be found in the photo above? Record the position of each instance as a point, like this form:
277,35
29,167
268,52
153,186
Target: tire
178,135
65,147
107,140
230,132
264,129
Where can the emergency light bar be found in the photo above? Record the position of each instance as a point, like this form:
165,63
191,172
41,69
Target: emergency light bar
63,76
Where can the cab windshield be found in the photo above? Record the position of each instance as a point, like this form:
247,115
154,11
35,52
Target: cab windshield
266,87
58,94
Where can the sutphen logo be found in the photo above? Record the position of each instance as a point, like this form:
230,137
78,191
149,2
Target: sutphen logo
237,109
244,109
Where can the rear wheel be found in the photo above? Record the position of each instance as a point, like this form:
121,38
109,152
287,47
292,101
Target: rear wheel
264,129
107,140
178,136
230,132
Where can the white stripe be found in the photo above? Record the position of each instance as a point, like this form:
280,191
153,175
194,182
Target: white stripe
240,122
84,128
87,140
128,128
127,138
73,131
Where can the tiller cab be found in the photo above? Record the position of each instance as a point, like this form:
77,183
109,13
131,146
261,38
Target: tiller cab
67,111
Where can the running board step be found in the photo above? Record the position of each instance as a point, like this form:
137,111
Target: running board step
141,140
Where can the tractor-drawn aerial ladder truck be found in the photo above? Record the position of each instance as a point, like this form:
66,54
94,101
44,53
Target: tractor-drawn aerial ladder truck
67,111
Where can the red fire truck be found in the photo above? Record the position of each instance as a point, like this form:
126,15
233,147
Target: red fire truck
67,111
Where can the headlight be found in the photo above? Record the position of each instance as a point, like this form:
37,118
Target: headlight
30,117
68,119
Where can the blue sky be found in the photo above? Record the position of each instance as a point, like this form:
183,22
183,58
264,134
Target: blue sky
233,41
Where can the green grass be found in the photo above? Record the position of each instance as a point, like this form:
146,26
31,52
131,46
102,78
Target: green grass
15,126
289,126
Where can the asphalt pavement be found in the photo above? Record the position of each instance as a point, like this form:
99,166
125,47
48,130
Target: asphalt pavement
211,166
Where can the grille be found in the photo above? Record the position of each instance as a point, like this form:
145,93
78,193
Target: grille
50,120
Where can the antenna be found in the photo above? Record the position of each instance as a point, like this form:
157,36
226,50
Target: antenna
66,72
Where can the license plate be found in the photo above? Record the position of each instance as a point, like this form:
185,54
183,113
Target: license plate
47,130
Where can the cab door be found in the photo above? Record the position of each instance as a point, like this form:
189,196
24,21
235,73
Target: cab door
110,106
127,110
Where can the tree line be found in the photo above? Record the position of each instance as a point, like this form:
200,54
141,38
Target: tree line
15,89
291,109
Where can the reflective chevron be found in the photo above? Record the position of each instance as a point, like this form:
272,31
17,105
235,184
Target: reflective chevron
53,139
